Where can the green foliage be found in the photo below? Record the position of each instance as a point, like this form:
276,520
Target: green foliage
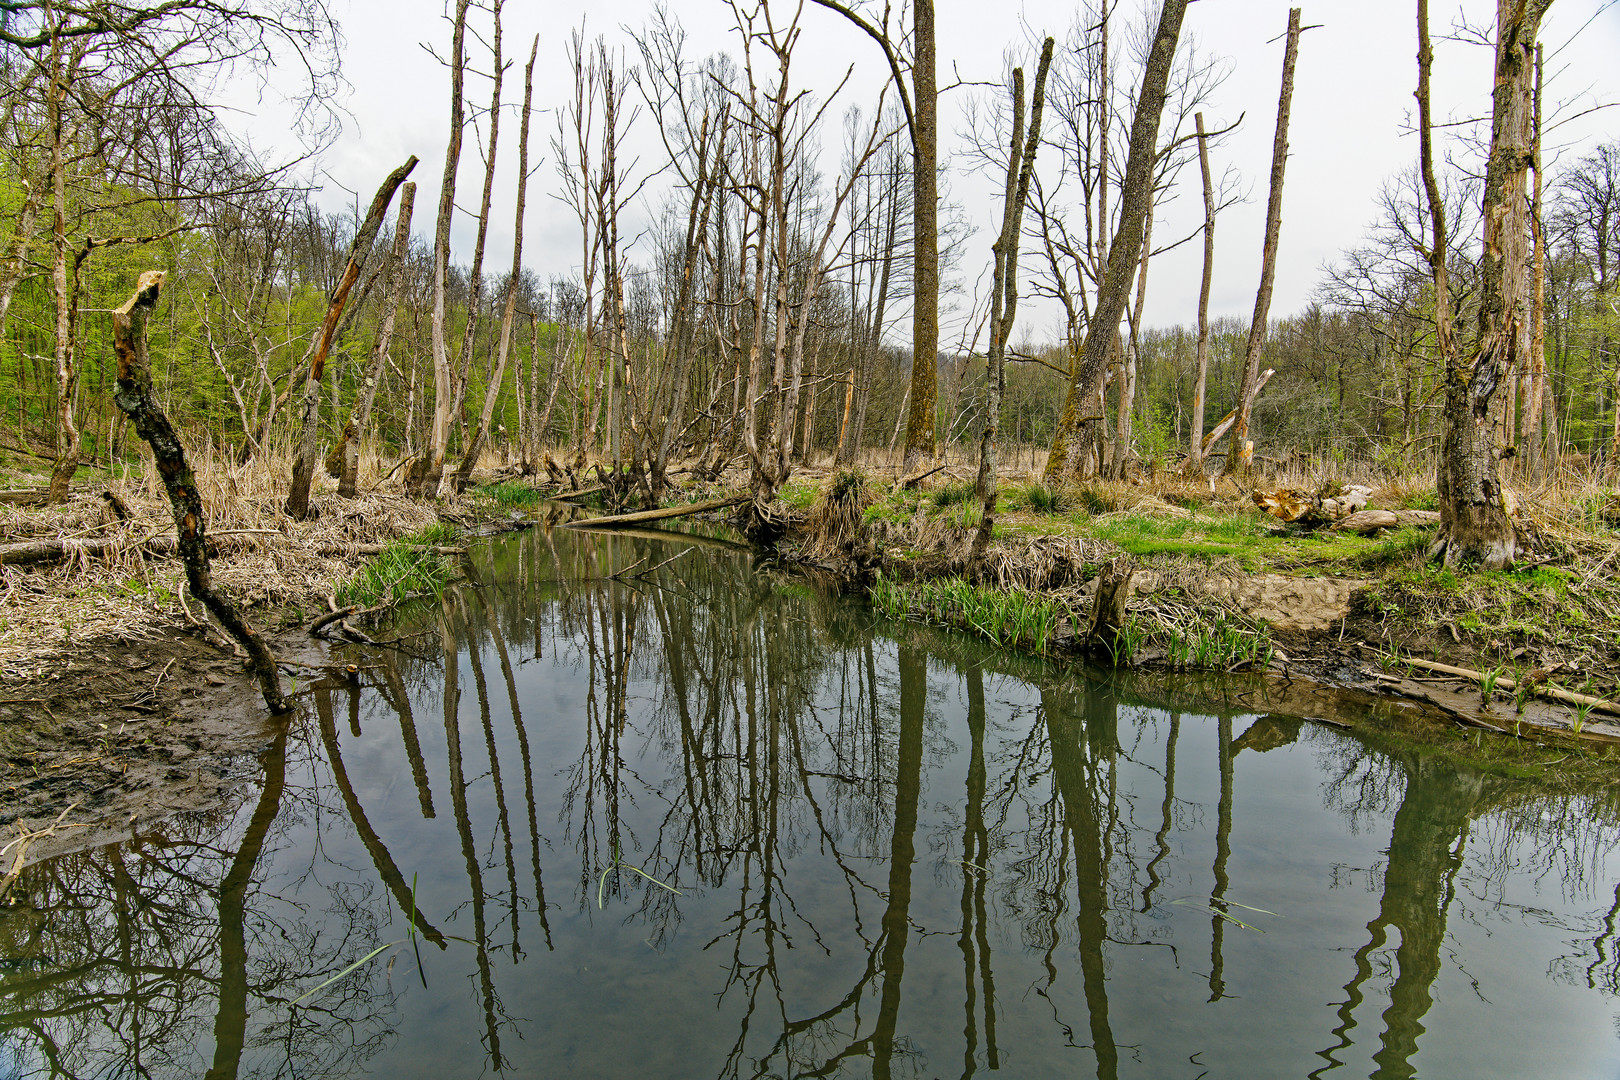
1215,643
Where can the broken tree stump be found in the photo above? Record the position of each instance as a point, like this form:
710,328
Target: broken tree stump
1108,605
136,398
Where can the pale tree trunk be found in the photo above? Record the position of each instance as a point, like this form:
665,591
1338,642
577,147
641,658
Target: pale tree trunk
348,451
69,440
475,279
424,474
1195,450
475,444
303,474
1475,526
1004,290
1067,459
1238,458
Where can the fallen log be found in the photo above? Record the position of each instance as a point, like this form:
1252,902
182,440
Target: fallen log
1557,693
641,517
1370,521
564,496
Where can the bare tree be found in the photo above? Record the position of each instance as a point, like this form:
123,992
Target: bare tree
424,474
1195,450
921,106
475,443
1004,285
1240,454
1475,523
303,474
1124,250
348,448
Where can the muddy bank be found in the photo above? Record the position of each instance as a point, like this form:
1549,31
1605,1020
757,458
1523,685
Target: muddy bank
131,731
117,699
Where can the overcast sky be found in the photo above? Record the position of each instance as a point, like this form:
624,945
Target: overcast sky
1352,99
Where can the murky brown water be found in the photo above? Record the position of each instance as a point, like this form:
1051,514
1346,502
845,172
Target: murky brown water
897,853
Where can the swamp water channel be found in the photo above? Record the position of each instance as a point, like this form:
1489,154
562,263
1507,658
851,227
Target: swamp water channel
898,853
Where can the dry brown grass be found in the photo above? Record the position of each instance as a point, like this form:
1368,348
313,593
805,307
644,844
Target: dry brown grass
264,559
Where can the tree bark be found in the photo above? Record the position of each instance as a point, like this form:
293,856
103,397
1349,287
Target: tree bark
1268,257
139,403
925,236
1075,433
303,474
1474,523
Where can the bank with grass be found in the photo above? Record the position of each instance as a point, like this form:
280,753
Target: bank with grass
1220,586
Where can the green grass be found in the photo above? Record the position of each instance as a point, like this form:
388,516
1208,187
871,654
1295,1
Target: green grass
798,496
406,567
1004,618
955,493
511,493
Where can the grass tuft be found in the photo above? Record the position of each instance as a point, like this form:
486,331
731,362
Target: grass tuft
406,567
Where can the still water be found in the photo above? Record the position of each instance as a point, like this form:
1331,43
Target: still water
898,853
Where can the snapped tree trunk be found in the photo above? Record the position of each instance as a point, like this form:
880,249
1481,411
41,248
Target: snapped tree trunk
303,474
1268,257
1076,431
1475,526
348,450
140,404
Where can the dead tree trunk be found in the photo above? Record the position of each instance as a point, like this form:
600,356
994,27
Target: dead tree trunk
1536,453
424,474
69,440
1195,449
920,437
475,444
1239,458
303,474
1004,289
348,449
1074,430
1475,526
140,404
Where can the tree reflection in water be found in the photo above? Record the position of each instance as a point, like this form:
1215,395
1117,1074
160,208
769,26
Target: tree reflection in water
891,854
